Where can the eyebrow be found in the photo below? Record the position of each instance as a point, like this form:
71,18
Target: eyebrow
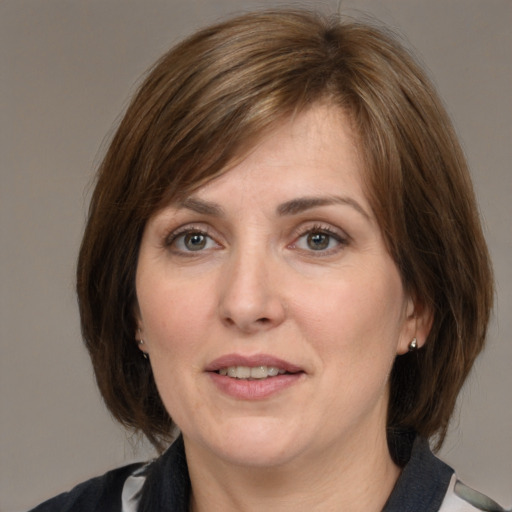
292,207
302,204
202,206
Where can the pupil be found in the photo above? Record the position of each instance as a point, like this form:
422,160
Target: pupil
318,241
195,241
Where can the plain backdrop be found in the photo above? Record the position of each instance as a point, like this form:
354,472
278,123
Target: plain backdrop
68,69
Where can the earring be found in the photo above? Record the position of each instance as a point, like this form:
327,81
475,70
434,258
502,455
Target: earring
141,342
413,345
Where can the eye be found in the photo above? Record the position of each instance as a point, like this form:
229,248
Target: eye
319,239
191,240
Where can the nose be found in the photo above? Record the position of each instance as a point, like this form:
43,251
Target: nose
251,298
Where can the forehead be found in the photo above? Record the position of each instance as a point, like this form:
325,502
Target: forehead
316,148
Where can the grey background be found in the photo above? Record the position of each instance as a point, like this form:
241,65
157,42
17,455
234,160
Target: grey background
67,71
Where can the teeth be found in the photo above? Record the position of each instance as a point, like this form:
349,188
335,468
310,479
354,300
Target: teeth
247,372
272,372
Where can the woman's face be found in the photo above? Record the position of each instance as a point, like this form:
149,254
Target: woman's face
269,306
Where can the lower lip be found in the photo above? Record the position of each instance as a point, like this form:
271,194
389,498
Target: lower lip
256,389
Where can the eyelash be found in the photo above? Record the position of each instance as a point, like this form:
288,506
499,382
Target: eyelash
174,237
342,241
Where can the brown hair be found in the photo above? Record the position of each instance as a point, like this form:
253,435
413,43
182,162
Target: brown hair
203,104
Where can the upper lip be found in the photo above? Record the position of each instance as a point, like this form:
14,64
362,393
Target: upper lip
252,361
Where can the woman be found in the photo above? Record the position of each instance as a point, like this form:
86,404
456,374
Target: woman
284,260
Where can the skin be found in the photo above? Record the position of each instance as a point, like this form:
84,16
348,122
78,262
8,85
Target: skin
240,268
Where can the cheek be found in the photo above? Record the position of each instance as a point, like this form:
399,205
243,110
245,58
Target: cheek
172,310
174,323
358,315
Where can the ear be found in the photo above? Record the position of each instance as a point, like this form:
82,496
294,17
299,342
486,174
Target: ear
139,331
139,338
416,324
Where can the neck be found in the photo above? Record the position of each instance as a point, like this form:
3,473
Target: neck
357,479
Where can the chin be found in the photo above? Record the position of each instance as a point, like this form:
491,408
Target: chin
255,443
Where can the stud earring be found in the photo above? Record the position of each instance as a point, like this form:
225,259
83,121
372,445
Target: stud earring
413,345
144,353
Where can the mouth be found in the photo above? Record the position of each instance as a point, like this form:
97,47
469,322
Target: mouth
252,372
258,367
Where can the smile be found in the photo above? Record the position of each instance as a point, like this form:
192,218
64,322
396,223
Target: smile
253,377
250,373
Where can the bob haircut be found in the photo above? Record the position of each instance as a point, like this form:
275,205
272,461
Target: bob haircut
204,105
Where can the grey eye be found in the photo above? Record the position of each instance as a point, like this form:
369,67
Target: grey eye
195,241
191,240
318,241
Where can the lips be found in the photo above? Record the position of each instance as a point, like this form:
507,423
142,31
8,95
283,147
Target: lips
260,361
253,378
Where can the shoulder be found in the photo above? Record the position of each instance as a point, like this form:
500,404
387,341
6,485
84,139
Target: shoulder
101,493
461,498
428,484
141,486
